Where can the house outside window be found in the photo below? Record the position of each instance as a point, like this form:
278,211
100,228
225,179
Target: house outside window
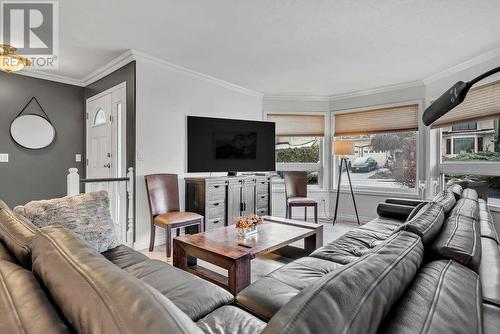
385,148
471,149
299,145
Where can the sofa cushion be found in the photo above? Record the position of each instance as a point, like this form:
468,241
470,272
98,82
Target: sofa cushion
486,222
446,199
192,295
491,319
489,271
5,254
96,296
16,234
124,256
85,214
266,296
358,242
426,223
459,240
356,297
466,207
395,211
4,205
470,194
457,190
230,319
24,307
444,297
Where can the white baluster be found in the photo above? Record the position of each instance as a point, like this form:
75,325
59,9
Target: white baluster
73,182
130,211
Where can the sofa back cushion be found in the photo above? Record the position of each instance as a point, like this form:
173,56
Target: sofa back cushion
94,295
466,207
470,194
459,240
486,222
444,297
4,205
446,199
24,306
85,214
456,189
426,223
356,297
16,234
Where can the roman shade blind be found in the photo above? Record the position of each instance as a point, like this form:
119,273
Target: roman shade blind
294,125
393,119
481,103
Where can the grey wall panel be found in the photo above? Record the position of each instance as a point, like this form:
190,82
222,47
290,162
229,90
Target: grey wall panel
39,174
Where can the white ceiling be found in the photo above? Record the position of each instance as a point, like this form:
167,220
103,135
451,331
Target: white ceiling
319,47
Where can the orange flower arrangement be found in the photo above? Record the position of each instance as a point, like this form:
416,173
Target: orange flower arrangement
248,222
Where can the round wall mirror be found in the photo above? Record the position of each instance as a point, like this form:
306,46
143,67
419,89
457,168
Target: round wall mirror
32,131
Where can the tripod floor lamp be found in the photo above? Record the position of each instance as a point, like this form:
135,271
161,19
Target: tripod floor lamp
343,148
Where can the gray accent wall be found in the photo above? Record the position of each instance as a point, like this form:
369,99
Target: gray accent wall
39,174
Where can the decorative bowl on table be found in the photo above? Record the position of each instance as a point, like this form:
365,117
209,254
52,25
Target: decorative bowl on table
247,226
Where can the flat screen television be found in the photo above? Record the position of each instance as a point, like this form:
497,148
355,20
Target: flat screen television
230,145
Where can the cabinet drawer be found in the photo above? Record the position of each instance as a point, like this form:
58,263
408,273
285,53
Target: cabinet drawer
214,223
216,209
216,193
262,212
262,201
262,187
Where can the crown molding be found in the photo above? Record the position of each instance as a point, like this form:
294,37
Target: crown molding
50,77
377,90
116,63
131,55
463,66
307,98
183,70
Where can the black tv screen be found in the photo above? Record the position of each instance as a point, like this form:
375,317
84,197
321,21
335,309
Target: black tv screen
230,145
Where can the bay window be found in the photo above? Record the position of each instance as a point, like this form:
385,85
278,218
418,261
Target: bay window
470,140
299,145
384,148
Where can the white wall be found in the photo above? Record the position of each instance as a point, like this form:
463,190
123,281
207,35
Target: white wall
165,96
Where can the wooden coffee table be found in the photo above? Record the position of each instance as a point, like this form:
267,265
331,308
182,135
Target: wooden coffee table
223,248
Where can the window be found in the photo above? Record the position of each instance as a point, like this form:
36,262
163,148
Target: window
472,131
464,126
488,187
99,118
385,148
463,145
299,145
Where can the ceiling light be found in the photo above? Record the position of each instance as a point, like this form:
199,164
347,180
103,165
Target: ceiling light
10,62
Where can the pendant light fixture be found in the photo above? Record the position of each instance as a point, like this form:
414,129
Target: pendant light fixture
10,62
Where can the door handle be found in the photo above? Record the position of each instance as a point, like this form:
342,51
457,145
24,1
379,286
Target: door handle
108,165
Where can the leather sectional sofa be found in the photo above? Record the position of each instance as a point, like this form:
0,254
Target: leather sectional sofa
420,267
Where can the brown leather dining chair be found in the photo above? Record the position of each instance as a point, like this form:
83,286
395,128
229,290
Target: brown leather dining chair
163,198
296,194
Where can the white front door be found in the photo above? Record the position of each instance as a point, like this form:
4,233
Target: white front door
106,150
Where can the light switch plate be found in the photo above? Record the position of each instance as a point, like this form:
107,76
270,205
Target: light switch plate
78,157
4,157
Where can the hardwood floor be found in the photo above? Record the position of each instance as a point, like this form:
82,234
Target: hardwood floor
263,265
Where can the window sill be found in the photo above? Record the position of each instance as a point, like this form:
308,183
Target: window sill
494,208
380,192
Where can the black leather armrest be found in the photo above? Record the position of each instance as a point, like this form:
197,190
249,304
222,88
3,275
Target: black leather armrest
394,211
404,201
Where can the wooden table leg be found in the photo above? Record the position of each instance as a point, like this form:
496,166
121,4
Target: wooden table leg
314,241
181,259
239,275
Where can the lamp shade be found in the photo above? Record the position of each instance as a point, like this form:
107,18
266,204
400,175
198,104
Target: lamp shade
343,147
